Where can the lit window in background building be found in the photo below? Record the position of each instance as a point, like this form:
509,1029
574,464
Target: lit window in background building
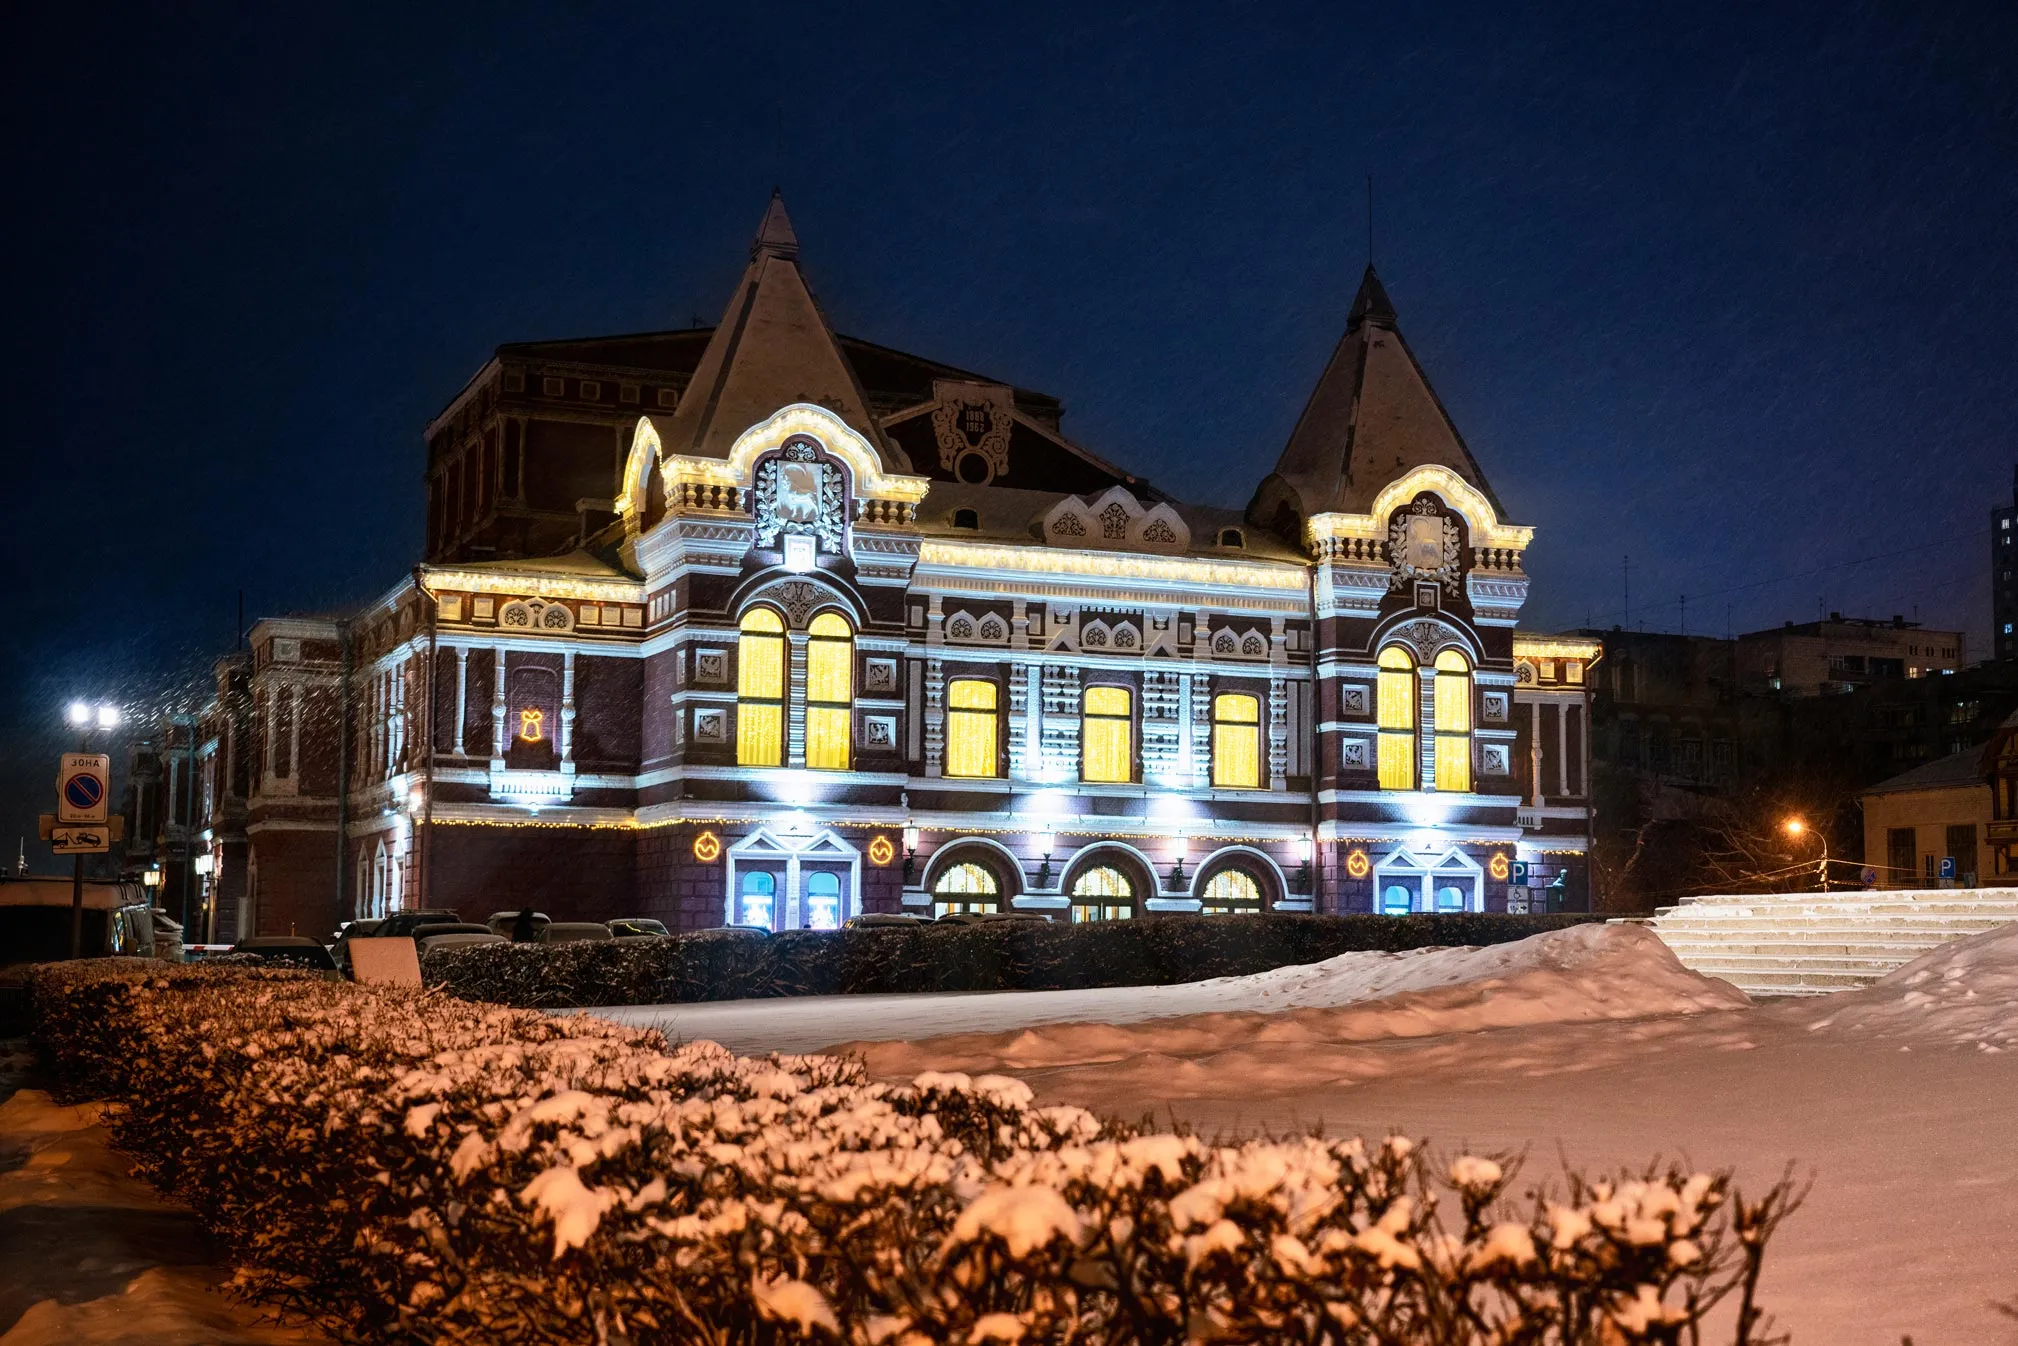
760,689
1107,735
1395,714
830,691
1453,722
970,728
1236,741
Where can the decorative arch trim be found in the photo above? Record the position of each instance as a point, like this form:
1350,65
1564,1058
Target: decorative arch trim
644,456
1425,637
829,431
1139,867
799,597
1275,886
1002,862
1454,490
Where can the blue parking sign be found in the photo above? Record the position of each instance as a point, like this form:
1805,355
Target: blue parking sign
1947,866
1520,874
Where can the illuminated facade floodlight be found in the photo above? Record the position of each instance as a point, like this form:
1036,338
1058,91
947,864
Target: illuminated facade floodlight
80,713
108,717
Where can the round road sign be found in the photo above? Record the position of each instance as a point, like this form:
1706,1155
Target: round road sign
83,792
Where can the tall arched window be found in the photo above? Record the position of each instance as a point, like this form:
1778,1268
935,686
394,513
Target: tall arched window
1230,892
1396,717
1107,735
760,689
971,733
1236,741
1103,893
757,902
1453,721
968,887
830,691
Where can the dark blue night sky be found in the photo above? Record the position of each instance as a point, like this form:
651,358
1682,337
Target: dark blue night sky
1734,291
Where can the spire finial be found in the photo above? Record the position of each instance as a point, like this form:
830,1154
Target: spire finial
774,236
1371,304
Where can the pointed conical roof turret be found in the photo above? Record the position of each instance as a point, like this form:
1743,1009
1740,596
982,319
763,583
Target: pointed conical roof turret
772,348
1372,418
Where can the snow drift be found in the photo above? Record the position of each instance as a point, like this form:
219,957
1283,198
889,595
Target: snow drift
1963,994
1272,1029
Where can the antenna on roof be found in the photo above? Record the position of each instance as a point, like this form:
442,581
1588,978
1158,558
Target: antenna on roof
1369,233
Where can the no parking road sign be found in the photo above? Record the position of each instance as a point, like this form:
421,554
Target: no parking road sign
82,786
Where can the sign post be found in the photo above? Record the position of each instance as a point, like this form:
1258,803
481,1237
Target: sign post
83,781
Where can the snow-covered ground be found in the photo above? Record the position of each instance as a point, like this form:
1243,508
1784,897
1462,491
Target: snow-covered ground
89,1254
1586,972
1901,1099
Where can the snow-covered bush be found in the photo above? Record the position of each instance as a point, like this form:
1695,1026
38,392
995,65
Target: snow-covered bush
410,1166
998,956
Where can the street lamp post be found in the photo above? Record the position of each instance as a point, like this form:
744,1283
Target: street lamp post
1796,828
82,716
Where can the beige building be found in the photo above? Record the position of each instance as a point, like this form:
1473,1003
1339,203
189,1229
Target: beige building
1936,811
1841,654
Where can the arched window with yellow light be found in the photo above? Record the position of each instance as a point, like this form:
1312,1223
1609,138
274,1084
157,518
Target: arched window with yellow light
830,691
972,728
966,887
760,689
1107,735
1102,893
1453,721
1231,892
1236,741
1395,696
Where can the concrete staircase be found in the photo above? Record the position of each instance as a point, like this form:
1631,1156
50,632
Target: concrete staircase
1787,944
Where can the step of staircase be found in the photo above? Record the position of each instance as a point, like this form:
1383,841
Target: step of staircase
1804,944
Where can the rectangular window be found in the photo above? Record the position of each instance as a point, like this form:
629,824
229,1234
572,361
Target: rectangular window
970,728
1962,849
1107,735
1394,697
1236,742
760,690
1898,856
1453,722
830,691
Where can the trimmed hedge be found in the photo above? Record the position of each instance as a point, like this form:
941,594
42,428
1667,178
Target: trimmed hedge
407,1167
993,956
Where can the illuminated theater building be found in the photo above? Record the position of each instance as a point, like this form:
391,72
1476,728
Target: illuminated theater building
760,625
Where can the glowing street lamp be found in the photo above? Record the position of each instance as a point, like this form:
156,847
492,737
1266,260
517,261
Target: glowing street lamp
1797,828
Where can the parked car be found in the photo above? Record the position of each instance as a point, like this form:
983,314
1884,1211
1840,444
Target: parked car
292,950
35,920
884,920
986,917
407,922
737,931
451,936
35,928
637,927
573,932
506,923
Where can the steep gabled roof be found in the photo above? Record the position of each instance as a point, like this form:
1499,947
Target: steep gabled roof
772,348
1372,418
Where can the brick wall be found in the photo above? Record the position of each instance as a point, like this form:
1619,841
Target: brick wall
296,892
